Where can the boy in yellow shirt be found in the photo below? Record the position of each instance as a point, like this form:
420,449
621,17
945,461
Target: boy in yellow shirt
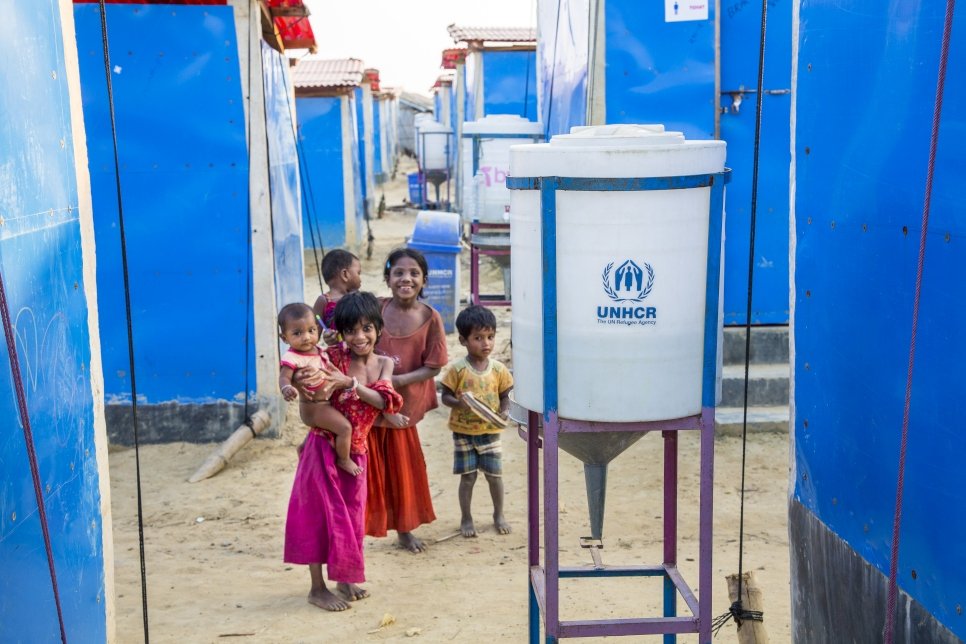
476,442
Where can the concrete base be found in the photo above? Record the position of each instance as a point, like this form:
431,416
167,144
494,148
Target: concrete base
837,596
192,423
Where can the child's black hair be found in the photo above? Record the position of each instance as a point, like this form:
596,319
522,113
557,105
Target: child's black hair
292,312
474,317
355,307
335,261
398,254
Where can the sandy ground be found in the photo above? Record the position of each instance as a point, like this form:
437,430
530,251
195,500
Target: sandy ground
214,548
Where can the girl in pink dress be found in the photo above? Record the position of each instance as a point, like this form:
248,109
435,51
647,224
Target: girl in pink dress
326,512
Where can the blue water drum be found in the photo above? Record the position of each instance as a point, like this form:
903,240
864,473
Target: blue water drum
437,236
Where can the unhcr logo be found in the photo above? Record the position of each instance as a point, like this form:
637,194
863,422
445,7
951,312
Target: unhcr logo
627,283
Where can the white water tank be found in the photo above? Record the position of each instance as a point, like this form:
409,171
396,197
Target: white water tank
417,120
631,271
434,152
485,197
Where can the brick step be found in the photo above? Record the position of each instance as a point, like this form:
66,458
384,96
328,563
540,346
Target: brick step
768,385
769,344
728,420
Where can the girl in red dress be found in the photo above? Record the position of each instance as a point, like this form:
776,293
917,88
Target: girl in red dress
414,338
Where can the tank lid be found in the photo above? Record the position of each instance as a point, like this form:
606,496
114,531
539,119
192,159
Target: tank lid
502,124
618,136
432,126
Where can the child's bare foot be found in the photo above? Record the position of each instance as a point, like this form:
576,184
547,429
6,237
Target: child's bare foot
326,600
409,541
351,591
349,466
467,529
502,527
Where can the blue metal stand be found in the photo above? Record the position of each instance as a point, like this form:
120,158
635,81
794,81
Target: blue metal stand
544,580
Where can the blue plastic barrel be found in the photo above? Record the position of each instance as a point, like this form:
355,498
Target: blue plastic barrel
437,236
415,188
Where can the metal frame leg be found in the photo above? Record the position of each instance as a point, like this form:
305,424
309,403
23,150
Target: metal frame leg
670,525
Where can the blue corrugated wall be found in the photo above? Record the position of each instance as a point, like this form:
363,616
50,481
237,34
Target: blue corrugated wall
184,177
377,136
358,168
41,262
320,129
866,85
360,122
740,25
283,179
509,83
562,60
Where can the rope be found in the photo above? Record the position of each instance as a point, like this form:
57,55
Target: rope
737,611
31,451
130,328
933,142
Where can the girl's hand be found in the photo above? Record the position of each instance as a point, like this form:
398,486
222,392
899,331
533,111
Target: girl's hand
338,379
290,393
330,337
397,420
308,377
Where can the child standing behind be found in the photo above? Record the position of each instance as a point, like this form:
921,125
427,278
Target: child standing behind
300,331
342,272
476,441
326,511
414,338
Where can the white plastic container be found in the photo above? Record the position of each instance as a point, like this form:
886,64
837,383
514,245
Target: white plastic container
435,153
631,271
417,120
485,197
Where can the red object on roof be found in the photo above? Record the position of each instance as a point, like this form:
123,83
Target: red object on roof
492,34
372,76
331,73
291,18
452,57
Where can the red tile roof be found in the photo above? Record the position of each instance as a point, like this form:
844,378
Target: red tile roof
492,34
341,72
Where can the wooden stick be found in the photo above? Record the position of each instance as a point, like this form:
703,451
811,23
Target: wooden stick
218,459
750,631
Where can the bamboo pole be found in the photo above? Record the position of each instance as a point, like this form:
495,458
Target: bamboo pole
749,631
218,459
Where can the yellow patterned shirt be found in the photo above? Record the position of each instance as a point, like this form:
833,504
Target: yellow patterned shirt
486,386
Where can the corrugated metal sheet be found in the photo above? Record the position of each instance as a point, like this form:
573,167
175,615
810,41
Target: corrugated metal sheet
492,34
341,72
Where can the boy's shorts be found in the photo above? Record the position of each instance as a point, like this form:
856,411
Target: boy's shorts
473,452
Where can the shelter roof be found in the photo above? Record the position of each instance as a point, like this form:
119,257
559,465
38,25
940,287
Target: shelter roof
492,34
328,73
416,101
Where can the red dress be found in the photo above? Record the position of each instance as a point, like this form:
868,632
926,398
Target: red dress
399,497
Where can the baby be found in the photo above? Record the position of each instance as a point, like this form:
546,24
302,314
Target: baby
299,329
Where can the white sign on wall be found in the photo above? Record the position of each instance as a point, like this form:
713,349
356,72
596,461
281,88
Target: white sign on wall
681,10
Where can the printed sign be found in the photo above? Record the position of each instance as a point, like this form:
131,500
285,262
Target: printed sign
682,10
627,283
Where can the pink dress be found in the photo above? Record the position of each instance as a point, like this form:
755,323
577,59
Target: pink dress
327,507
